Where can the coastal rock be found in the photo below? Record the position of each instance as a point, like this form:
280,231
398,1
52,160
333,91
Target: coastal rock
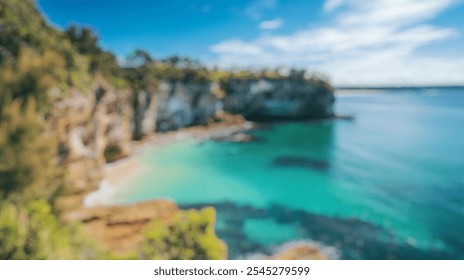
299,252
120,228
279,99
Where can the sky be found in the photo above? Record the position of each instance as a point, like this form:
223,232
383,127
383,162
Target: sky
353,42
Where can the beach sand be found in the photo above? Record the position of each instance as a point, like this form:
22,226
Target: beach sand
117,173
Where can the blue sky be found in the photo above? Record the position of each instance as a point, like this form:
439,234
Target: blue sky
354,42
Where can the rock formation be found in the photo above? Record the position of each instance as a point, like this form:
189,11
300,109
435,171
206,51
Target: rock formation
279,99
120,228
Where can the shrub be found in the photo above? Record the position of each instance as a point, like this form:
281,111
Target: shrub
29,230
190,237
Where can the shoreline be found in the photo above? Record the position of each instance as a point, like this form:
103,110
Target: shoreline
119,172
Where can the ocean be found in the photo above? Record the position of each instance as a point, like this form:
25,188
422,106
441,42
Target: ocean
388,184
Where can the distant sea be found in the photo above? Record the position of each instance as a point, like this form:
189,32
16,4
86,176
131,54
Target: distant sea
388,184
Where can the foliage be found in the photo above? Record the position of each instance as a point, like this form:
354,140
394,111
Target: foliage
190,237
144,73
27,153
29,77
29,230
85,41
296,75
21,26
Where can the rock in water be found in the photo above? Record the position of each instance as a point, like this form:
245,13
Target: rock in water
300,252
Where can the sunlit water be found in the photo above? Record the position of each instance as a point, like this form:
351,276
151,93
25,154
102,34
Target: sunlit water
388,184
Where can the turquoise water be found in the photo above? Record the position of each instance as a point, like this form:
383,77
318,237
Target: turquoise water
389,184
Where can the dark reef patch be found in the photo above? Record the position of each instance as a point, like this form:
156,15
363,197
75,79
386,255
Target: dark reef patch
353,238
300,161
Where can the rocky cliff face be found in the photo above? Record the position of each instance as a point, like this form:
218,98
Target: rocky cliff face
181,105
91,128
97,127
279,99
176,105
172,106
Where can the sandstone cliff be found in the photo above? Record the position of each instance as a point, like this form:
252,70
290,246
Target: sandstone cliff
91,128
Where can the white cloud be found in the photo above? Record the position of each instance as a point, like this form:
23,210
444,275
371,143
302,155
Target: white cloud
369,42
237,47
271,24
393,12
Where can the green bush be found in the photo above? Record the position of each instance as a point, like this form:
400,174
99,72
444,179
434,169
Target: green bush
29,230
191,236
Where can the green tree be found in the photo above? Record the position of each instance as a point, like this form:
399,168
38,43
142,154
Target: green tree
191,236
29,77
85,41
27,153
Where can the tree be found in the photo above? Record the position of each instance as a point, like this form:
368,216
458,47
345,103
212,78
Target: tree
27,153
30,77
191,236
83,39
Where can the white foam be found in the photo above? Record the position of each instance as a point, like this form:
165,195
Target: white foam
101,196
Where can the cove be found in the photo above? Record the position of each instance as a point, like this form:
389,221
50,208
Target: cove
387,185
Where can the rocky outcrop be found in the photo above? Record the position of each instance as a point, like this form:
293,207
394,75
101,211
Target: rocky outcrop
176,105
184,104
91,128
120,228
279,99
172,106
145,108
299,252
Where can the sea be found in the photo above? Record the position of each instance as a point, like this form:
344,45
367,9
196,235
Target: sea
385,183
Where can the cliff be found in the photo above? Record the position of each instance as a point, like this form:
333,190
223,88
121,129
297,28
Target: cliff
173,105
279,99
184,104
179,104
91,128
